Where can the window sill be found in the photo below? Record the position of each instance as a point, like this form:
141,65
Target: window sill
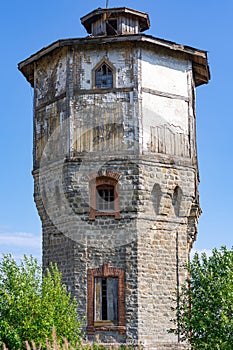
100,213
106,328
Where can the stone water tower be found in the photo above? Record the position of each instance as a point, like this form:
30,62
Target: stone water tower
115,170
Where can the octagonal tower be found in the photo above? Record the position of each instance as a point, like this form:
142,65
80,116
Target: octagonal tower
115,170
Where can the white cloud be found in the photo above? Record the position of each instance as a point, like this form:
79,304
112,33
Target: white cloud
20,243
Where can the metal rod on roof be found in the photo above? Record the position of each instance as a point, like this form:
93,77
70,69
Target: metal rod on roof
106,4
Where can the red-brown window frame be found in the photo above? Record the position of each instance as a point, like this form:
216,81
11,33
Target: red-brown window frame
109,178
105,271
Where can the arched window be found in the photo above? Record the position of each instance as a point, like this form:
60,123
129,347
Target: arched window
104,77
156,195
104,199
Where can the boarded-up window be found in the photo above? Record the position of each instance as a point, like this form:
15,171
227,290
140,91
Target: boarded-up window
106,299
104,77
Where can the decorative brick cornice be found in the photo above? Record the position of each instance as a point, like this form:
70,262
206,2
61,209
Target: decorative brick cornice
106,271
104,173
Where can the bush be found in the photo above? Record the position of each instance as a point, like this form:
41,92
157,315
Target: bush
55,345
31,306
204,312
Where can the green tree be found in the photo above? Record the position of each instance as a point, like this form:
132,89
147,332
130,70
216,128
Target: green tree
31,306
204,312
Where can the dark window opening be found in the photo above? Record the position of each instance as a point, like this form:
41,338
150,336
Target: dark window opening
106,299
111,26
104,77
105,198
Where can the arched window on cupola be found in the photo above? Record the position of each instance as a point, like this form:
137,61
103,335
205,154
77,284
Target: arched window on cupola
104,76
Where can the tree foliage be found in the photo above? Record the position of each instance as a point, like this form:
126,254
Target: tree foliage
204,312
31,306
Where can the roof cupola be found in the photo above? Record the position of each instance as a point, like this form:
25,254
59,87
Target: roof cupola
115,21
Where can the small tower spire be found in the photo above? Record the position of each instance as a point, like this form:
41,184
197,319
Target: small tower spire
106,4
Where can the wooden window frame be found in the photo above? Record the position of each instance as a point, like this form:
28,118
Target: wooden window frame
106,304
98,66
105,271
108,178
104,77
108,205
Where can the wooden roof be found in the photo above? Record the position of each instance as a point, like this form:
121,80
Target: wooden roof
198,57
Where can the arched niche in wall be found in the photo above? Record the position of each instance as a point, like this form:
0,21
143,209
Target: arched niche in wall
156,195
176,200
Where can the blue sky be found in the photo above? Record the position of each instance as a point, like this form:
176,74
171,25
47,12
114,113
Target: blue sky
28,26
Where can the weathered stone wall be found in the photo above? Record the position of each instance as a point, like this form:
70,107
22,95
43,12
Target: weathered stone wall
163,246
150,241
89,244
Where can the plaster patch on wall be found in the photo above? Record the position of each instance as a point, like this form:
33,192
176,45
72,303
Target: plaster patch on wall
50,78
167,74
